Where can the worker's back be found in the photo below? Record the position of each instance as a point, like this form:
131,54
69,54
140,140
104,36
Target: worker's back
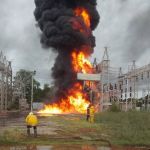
31,120
88,110
92,111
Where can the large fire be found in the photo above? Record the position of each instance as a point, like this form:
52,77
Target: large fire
82,12
80,63
73,104
76,100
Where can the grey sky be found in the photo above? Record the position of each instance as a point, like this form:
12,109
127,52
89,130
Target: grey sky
124,28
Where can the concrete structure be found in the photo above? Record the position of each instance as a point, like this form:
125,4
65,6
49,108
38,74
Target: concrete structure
89,77
90,85
135,84
5,83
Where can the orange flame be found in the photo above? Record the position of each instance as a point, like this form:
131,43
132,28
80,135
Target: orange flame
80,63
84,14
75,102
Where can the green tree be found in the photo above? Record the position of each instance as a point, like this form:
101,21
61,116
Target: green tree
25,77
39,94
45,94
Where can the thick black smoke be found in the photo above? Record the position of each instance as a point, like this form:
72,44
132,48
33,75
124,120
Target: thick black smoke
60,31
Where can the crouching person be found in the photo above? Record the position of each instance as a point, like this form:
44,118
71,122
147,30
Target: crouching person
32,121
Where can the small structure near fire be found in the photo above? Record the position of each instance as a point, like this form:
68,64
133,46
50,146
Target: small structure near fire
91,83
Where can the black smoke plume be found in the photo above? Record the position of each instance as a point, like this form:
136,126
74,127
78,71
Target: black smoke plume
57,21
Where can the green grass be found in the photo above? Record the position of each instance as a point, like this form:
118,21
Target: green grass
45,140
130,128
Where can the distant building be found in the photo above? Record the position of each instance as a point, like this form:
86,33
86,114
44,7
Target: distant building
124,89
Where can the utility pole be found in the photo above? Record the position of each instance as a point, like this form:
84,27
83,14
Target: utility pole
148,82
102,90
127,94
31,93
120,84
32,80
105,64
134,80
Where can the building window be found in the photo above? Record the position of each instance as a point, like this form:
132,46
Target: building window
148,74
130,94
142,76
120,86
111,86
130,89
136,78
125,95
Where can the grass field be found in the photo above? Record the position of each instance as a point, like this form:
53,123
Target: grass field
130,128
110,128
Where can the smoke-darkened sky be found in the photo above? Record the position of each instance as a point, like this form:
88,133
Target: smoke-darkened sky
124,28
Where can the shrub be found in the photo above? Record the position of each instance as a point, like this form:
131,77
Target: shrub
114,108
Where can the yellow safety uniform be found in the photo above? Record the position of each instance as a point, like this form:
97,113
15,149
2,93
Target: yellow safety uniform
31,120
92,112
88,113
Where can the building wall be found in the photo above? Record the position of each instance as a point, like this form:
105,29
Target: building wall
128,88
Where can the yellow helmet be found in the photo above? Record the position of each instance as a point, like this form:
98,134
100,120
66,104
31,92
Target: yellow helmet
31,113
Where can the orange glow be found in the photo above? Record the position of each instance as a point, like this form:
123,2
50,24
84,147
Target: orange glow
82,12
80,63
75,102
51,109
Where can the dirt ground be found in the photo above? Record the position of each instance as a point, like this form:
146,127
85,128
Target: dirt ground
56,130
46,126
